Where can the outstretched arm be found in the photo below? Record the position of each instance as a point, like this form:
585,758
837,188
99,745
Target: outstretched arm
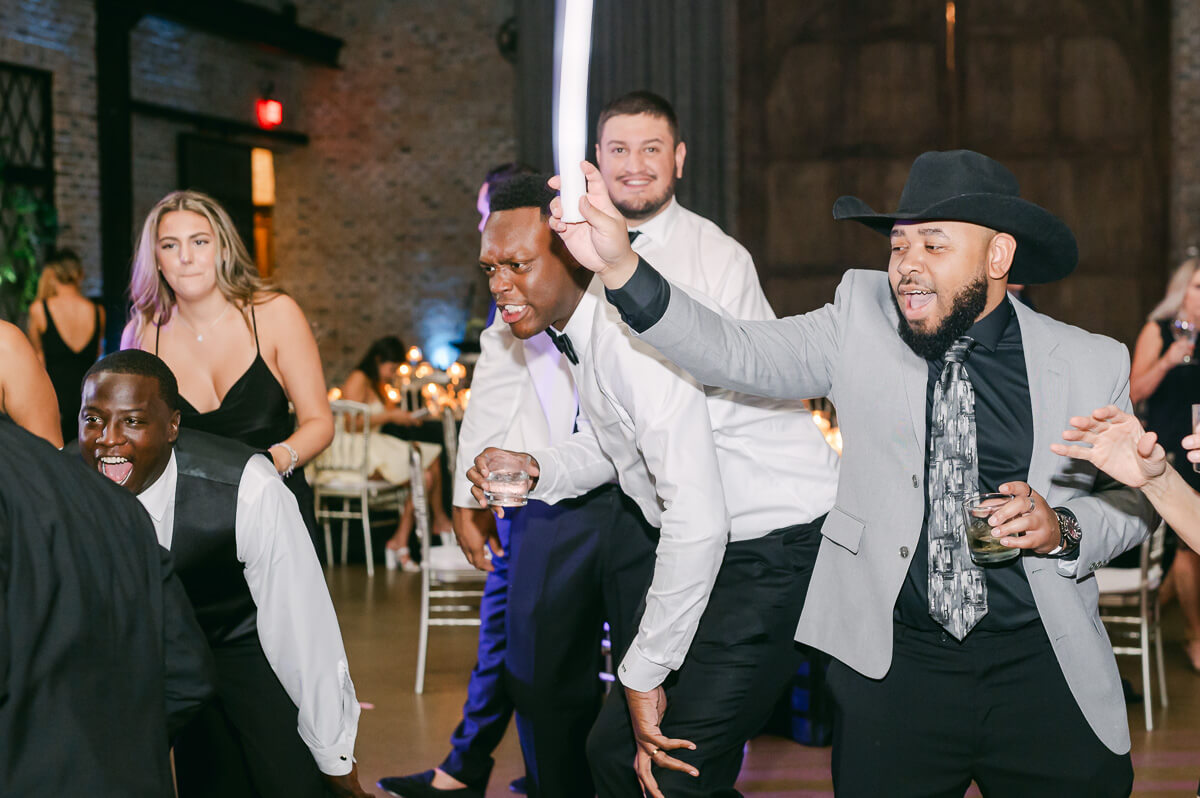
1115,442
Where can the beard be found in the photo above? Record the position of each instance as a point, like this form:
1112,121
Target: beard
639,210
969,302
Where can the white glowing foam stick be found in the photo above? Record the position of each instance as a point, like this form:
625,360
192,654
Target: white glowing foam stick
573,49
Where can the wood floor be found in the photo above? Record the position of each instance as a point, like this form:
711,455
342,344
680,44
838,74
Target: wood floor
404,733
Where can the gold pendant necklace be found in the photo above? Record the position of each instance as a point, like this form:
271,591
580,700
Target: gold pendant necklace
208,329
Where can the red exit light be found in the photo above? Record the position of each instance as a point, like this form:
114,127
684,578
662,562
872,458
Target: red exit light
269,112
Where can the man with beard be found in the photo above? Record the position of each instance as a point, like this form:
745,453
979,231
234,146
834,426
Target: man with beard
285,716
640,153
947,672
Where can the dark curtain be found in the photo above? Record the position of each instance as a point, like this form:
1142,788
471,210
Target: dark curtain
671,47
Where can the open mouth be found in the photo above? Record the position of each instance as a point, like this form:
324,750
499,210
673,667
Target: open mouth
511,314
917,301
117,469
637,182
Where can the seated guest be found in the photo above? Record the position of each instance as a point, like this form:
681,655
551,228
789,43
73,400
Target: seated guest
26,394
101,658
242,553
1164,382
241,348
388,456
66,329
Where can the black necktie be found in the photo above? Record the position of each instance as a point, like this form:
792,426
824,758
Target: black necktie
633,234
563,343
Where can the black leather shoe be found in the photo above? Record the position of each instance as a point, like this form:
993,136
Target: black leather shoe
420,785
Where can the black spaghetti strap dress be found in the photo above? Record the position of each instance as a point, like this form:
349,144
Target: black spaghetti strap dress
255,412
66,368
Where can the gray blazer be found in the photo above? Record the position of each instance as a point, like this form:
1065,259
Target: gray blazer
850,351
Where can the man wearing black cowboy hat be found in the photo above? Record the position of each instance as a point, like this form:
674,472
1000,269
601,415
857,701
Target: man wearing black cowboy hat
946,671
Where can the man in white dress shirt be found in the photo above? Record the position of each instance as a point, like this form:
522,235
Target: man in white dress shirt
697,467
285,714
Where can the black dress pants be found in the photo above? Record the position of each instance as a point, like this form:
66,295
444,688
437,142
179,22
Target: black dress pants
740,661
994,708
574,565
244,743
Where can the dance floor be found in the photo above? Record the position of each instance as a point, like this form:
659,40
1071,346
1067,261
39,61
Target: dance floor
404,732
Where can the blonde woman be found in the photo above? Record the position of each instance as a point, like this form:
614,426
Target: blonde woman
239,348
65,329
1165,378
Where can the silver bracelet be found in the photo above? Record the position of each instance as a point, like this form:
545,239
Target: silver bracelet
295,457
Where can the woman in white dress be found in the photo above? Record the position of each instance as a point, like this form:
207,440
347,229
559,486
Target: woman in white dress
389,455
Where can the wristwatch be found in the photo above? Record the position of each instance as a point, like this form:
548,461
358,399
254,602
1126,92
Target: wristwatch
1069,532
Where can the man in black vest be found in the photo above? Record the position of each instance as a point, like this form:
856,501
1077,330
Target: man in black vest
100,656
285,714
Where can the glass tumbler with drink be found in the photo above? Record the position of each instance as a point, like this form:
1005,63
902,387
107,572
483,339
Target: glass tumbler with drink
507,483
984,547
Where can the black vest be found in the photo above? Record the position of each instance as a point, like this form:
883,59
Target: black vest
204,541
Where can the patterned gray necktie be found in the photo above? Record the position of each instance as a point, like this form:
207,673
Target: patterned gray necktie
957,588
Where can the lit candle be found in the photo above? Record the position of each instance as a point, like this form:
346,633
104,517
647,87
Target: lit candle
335,393
464,396
423,370
391,392
405,372
414,355
456,371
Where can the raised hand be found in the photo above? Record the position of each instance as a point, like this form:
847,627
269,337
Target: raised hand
1115,442
600,242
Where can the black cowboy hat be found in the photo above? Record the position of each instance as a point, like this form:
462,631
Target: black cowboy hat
964,186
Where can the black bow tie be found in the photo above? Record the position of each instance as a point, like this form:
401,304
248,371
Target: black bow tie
563,343
633,234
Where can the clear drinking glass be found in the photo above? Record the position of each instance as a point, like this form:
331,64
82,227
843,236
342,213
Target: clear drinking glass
985,549
1184,330
1195,429
508,482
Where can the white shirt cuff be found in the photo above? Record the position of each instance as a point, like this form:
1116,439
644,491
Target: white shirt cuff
337,760
638,673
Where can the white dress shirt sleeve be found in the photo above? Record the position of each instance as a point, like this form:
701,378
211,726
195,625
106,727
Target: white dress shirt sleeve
673,432
573,467
496,390
741,295
297,625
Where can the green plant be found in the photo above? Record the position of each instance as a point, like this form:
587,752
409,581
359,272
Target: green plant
28,224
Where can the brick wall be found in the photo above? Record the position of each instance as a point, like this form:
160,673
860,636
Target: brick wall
1185,128
59,37
375,221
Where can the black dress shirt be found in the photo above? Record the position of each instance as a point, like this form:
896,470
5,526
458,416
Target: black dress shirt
1004,440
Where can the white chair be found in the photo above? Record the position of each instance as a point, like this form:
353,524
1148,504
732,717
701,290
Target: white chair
340,474
1123,590
446,576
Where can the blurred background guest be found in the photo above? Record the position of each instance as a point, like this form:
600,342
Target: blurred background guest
26,395
241,349
388,456
66,329
1164,377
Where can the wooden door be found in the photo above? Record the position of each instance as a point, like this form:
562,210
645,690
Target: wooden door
840,97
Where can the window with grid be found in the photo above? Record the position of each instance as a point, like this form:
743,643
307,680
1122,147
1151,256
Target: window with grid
27,165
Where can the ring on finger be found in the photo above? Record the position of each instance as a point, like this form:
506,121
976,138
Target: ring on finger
1031,505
